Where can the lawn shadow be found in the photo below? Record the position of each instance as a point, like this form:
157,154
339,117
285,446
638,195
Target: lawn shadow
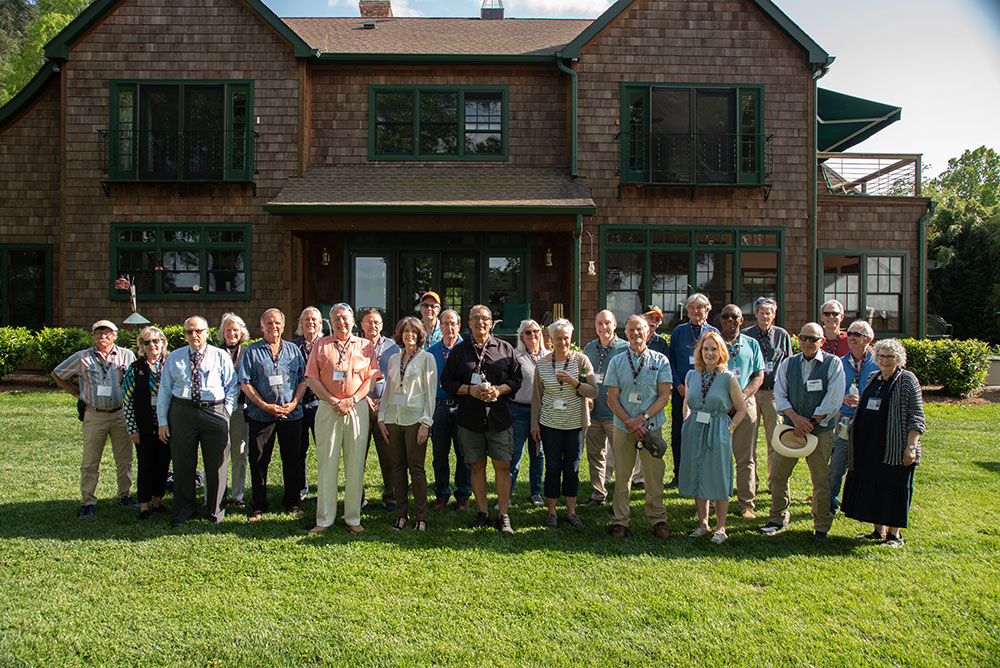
992,467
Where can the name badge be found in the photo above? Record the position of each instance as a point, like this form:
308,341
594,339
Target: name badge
399,399
477,379
703,418
873,404
104,390
599,377
736,372
634,397
691,360
275,380
185,392
768,367
815,385
559,404
339,374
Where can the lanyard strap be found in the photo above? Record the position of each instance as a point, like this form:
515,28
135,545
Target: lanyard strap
706,382
642,361
602,352
733,352
565,365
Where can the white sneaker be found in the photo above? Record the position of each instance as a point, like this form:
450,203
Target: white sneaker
719,537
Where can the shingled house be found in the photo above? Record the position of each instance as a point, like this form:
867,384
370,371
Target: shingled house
226,159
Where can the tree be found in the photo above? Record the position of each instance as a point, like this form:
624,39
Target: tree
15,16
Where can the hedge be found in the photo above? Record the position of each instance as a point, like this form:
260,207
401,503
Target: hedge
959,366
16,345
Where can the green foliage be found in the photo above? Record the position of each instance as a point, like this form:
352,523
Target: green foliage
16,344
54,344
959,366
127,339
796,348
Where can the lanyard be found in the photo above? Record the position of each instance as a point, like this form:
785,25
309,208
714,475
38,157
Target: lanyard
764,339
480,356
565,365
694,337
341,349
602,352
733,352
706,385
275,359
378,348
857,369
830,345
642,360
402,365
105,365
445,350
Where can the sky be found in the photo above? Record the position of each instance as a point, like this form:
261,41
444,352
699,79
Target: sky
939,61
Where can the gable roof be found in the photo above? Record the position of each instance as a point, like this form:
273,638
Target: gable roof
58,46
24,97
815,55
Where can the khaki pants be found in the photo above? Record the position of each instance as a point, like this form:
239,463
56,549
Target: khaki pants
819,471
97,426
625,453
601,460
745,454
767,413
336,433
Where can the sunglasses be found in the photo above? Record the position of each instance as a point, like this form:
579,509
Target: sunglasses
830,314
765,300
811,339
149,342
729,316
342,305
195,331
532,332
855,335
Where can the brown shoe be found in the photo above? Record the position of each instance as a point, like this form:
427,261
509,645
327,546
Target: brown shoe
618,530
439,505
255,516
463,504
355,528
318,529
748,514
295,511
661,531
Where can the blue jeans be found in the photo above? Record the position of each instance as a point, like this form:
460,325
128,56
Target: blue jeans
444,432
838,468
562,461
520,415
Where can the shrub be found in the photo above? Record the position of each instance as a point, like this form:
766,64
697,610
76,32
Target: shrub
960,367
16,345
54,344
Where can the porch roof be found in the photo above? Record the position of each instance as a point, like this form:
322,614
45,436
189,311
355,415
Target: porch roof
443,189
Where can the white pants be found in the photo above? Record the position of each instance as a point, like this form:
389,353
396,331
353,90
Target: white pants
336,433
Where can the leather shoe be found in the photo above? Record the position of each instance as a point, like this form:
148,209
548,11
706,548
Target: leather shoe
439,505
820,537
661,531
463,504
355,528
748,513
618,530
86,512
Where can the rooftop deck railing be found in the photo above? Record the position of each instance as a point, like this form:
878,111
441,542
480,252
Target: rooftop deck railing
882,174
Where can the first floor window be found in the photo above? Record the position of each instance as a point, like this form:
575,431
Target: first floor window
25,286
870,285
183,260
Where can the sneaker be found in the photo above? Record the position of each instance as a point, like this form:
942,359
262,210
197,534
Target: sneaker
699,532
551,522
496,507
575,520
592,503
127,501
364,503
893,541
145,514
536,500
86,512
718,537
162,508
503,525
821,537
482,520
748,513
772,528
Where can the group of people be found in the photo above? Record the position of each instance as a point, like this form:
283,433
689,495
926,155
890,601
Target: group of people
845,407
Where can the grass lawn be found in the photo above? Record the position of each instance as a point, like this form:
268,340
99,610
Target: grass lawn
117,592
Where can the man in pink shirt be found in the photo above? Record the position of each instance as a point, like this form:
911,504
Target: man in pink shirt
340,371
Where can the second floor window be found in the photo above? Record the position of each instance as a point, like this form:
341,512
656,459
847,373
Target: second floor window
437,123
189,131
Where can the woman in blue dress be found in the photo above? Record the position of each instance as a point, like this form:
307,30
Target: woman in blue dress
714,406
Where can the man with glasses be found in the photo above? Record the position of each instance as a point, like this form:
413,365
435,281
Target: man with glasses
383,348
484,373
100,370
808,390
746,363
340,371
197,394
654,318
430,307
836,340
776,347
444,431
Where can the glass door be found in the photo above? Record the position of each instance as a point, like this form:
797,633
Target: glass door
26,292
416,274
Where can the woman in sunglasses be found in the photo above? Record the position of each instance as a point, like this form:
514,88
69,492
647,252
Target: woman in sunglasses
139,387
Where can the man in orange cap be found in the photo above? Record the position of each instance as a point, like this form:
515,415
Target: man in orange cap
430,307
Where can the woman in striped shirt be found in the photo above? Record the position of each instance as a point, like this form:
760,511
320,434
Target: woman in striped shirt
563,380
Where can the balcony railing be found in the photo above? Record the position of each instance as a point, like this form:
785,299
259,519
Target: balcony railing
697,159
178,155
883,174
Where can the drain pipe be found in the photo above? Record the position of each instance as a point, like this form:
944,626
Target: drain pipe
818,74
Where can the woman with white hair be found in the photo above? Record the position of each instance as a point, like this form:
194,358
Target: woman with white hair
309,330
884,447
563,379
232,335
530,348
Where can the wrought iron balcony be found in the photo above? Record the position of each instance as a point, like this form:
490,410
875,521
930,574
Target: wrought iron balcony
696,159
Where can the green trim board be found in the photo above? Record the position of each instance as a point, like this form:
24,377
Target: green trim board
193,245
26,96
426,209
434,58
45,281
863,291
815,55
388,125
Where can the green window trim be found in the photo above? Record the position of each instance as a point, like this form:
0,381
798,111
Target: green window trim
435,123
208,261
167,131
683,149
44,285
867,297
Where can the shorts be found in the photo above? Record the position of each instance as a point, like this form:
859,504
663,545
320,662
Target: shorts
476,445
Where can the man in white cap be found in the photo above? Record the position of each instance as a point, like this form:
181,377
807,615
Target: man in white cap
99,370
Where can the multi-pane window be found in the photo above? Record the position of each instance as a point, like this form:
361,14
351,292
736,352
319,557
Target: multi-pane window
25,286
437,123
692,134
183,260
664,266
871,286
189,131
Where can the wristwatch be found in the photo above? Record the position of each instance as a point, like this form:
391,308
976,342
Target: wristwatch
645,416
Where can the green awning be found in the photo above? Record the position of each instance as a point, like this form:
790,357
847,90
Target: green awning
844,121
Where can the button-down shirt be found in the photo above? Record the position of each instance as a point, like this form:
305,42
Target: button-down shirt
410,396
682,343
636,393
218,380
355,357
600,357
257,367
868,366
440,353
498,365
95,371
833,384
383,349
309,398
433,337
745,359
775,346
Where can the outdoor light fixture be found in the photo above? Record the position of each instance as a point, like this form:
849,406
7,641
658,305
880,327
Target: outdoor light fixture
591,268
324,257
548,257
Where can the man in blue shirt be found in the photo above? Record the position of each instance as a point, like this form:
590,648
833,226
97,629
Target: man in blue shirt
272,375
638,384
681,356
654,318
746,363
859,363
384,348
196,397
444,432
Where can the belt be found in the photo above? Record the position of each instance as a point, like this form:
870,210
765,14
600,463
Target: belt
448,402
198,404
105,410
521,403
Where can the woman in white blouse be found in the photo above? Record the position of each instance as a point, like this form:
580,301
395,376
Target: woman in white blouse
405,416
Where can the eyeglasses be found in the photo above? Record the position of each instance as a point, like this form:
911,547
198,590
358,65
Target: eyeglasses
342,305
195,331
830,314
149,342
856,335
428,305
729,316
532,332
811,339
886,357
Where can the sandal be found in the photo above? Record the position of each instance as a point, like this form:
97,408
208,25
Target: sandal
719,537
400,523
874,535
699,532
421,525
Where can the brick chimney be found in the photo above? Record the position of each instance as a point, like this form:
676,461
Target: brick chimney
376,9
